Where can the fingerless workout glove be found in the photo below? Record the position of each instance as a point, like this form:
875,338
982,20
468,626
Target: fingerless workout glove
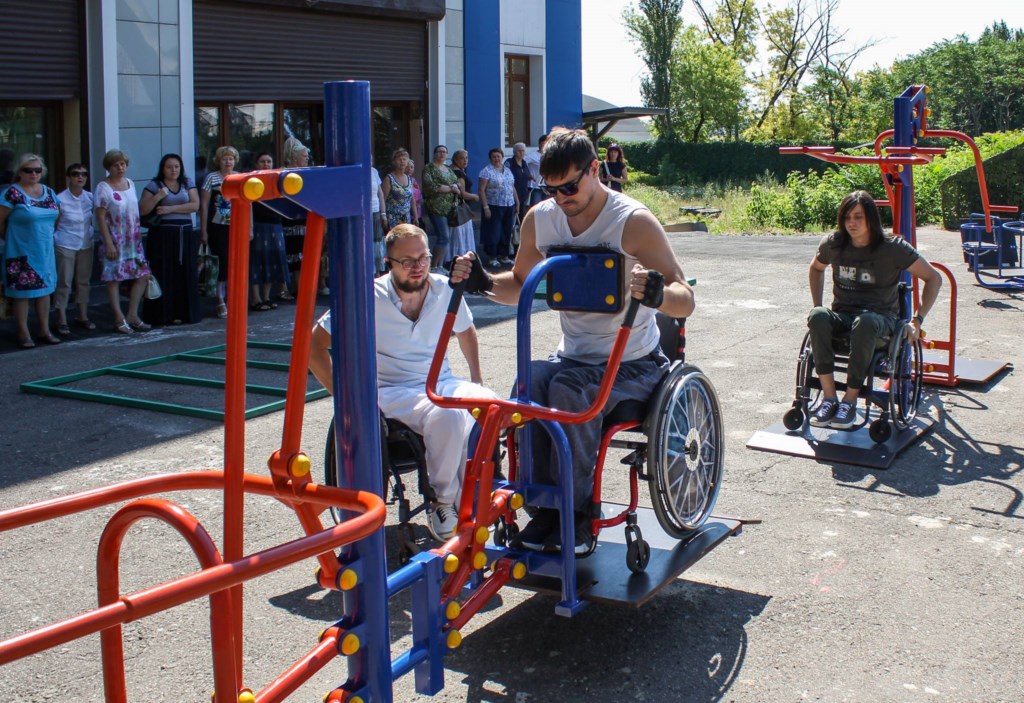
654,291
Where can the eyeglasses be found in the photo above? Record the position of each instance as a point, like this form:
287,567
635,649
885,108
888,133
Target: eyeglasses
410,264
571,188
79,174
27,169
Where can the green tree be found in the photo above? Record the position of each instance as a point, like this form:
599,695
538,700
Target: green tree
653,26
732,24
708,88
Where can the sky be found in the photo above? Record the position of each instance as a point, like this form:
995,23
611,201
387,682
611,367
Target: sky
612,66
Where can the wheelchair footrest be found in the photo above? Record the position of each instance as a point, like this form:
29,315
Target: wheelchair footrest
603,576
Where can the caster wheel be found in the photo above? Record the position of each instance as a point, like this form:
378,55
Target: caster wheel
638,552
500,534
880,431
793,419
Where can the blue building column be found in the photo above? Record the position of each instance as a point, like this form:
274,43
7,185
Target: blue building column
484,77
564,70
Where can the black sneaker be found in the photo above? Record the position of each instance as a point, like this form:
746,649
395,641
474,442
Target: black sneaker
844,416
584,538
824,412
537,532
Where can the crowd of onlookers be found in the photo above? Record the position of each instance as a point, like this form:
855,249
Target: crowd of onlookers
49,238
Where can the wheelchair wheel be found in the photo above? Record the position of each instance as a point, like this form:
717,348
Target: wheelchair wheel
331,468
793,419
807,391
905,374
685,446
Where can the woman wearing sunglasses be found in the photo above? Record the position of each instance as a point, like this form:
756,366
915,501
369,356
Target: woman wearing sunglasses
28,214
73,248
500,202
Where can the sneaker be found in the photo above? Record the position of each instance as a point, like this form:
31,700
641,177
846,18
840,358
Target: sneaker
505,261
825,411
584,538
537,532
845,416
442,520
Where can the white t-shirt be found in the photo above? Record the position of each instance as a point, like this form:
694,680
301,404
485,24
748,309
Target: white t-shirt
74,228
533,163
375,183
588,336
405,348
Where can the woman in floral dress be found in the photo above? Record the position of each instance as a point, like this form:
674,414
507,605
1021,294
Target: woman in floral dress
398,195
117,215
28,214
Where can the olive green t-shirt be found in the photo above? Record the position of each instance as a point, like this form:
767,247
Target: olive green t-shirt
863,279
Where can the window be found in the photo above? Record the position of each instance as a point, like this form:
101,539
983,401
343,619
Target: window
31,129
255,127
517,99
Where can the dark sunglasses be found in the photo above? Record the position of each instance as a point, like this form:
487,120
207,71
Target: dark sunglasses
79,174
28,169
571,188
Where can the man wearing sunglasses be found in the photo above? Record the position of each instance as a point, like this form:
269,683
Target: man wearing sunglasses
584,213
410,304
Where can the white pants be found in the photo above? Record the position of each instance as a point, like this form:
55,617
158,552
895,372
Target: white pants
445,431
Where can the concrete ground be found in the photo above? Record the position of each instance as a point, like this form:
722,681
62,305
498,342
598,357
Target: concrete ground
898,585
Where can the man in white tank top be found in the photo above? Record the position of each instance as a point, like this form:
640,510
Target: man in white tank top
584,213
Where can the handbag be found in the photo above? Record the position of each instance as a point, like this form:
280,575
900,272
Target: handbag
153,290
150,221
208,266
460,214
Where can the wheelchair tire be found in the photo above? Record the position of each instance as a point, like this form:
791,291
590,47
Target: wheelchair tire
905,377
793,419
880,431
808,393
331,468
685,449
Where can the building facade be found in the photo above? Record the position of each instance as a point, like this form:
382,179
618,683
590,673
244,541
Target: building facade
79,77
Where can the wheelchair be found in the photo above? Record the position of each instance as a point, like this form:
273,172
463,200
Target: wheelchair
679,453
893,385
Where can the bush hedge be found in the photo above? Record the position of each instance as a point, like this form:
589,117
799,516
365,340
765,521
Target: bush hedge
684,163
1004,177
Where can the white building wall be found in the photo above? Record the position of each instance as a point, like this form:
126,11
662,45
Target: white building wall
523,31
454,95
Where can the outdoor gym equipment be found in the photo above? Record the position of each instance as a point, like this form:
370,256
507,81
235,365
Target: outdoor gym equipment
447,585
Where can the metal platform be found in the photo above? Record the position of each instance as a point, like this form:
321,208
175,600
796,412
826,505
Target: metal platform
966,370
603,577
852,447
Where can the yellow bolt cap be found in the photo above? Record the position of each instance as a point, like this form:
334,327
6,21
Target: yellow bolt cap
479,561
349,579
517,418
454,639
350,645
355,699
609,263
482,534
292,183
451,564
920,132
519,570
516,501
610,299
246,696
475,412
301,465
453,610
557,297
253,188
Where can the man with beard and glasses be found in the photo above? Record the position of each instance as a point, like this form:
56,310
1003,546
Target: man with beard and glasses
581,212
410,304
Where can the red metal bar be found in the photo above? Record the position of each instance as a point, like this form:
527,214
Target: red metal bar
480,596
529,412
885,181
602,452
234,401
109,591
300,672
181,590
937,373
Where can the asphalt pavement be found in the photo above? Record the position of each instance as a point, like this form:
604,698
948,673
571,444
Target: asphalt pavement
858,585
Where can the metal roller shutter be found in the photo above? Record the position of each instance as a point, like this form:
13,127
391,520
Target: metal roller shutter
247,51
41,53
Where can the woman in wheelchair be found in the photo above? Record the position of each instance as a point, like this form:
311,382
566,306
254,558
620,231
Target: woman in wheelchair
867,266
409,309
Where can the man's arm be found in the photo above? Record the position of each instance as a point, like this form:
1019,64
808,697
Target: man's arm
644,238
320,358
816,278
471,350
